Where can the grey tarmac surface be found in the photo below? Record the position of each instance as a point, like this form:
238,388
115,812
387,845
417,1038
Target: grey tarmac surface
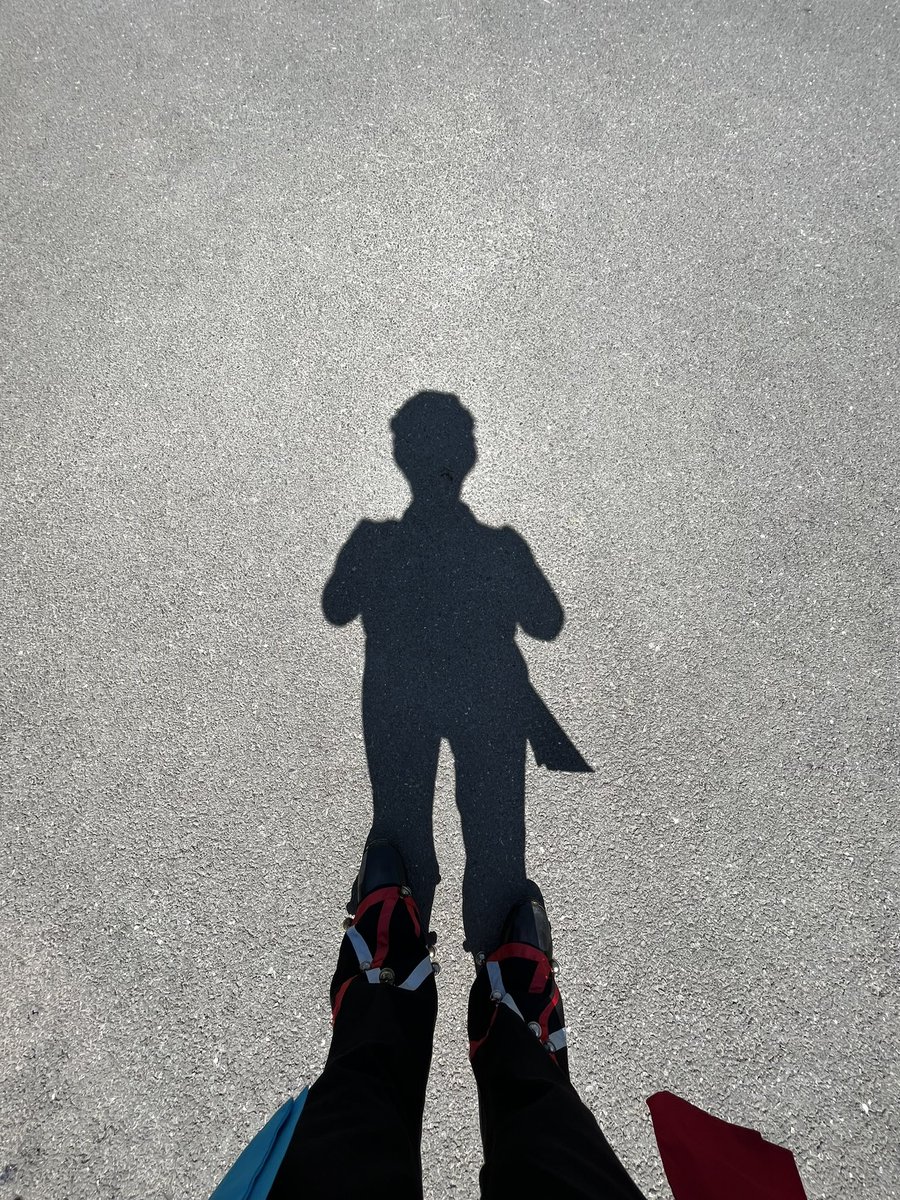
653,247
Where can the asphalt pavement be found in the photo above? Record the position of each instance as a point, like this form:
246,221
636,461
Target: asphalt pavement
653,248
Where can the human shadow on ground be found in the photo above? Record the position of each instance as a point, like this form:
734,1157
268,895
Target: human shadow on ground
440,596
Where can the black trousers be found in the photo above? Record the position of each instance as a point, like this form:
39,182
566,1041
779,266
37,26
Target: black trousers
359,1134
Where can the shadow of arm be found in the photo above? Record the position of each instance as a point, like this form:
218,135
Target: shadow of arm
538,610
342,596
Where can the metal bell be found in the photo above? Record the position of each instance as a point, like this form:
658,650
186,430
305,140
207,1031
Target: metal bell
554,966
386,976
535,1028
435,966
346,923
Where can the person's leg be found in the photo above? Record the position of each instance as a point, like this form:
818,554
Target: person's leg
539,1138
360,1130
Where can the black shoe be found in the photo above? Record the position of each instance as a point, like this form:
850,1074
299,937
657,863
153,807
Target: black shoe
383,907
382,866
521,974
528,923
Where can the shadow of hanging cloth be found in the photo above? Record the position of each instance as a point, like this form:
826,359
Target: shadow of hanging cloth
706,1158
551,745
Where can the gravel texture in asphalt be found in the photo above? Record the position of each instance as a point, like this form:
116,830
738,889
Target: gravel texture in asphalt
653,248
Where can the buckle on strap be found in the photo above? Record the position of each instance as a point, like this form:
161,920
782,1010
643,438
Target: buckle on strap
416,977
499,994
555,1041
411,983
360,945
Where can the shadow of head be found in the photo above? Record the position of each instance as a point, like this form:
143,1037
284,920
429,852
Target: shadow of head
434,445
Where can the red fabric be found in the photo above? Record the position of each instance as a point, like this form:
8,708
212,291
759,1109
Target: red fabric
339,998
709,1159
376,897
542,968
520,950
413,910
384,927
545,1015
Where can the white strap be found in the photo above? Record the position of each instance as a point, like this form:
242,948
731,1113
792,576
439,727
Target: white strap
498,987
495,977
414,980
358,942
419,975
557,1041
510,1003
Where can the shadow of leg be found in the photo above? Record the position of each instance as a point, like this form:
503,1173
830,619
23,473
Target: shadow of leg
490,795
402,749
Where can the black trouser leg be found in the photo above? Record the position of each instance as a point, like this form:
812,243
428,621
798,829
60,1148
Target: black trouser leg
539,1138
360,1130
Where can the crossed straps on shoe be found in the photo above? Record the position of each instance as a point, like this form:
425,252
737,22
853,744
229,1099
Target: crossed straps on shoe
371,964
543,973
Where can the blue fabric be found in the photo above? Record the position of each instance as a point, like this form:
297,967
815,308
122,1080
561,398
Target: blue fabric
253,1174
